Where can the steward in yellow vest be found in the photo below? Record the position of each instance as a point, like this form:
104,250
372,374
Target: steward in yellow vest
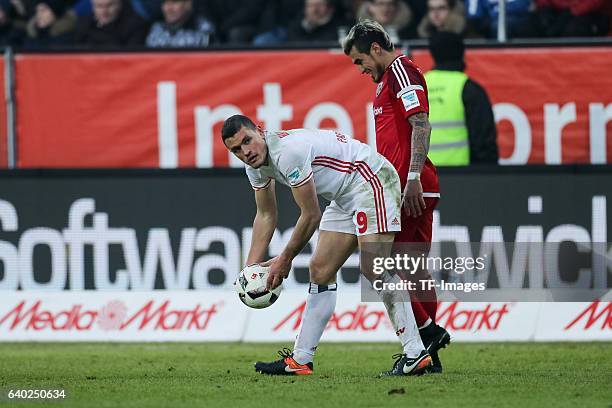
463,128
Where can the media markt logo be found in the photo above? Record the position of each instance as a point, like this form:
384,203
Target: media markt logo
362,318
598,315
458,317
114,315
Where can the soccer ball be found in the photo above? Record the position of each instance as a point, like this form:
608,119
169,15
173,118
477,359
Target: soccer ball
251,287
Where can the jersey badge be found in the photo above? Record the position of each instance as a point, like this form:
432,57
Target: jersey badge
410,100
294,175
379,88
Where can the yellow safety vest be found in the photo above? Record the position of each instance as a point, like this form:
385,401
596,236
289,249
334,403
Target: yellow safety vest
449,144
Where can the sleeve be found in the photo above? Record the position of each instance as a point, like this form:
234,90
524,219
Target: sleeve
295,163
408,87
257,180
480,124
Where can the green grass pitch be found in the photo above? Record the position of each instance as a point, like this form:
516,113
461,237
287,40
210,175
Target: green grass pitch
221,375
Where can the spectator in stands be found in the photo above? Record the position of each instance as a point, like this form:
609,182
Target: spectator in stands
113,24
419,8
181,27
463,128
483,15
574,18
149,10
319,23
236,21
22,10
12,32
394,15
442,15
82,8
51,25
275,20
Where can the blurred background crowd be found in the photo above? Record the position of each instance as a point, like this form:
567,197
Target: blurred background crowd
47,24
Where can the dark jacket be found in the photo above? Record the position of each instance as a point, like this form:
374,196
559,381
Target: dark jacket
480,124
59,34
127,30
235,20
325,33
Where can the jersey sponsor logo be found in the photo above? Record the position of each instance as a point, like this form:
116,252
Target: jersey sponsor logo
294,175
378,110
379,88
340,137
410,100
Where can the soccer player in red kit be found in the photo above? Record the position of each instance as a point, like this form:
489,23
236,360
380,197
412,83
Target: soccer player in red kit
402,135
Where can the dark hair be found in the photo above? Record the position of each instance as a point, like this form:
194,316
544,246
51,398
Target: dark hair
234,123
364,34
446,47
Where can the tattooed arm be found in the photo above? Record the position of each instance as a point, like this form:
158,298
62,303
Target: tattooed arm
413,201
421,131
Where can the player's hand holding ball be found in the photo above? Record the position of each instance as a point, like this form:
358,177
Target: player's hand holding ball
279,270
251,287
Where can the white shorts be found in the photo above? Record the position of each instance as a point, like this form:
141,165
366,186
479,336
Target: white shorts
372,206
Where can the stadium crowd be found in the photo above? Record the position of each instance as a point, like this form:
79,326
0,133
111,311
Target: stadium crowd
44,24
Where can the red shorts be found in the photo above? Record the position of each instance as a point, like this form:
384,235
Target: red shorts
417,230
415,239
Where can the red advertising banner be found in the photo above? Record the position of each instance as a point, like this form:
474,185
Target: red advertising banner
166,109
3,128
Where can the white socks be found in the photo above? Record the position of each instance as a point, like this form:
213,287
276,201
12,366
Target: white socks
399,310
320,306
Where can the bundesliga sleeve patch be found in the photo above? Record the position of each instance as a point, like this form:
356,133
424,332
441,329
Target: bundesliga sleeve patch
294,175
410,100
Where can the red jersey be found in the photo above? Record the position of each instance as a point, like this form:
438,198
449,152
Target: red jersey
402,92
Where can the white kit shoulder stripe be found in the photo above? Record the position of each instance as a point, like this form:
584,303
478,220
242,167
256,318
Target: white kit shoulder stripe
398,76
401,71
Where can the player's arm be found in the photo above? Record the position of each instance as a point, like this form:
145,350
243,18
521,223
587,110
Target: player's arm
408,85
263,224
413,192
310,215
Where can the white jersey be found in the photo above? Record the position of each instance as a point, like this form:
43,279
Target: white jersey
333,160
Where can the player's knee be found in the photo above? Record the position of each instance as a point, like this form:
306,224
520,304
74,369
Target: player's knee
320,273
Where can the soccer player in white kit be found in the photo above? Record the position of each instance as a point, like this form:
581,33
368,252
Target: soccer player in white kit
364,190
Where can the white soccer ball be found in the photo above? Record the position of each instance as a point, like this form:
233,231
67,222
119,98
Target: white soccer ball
251,287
